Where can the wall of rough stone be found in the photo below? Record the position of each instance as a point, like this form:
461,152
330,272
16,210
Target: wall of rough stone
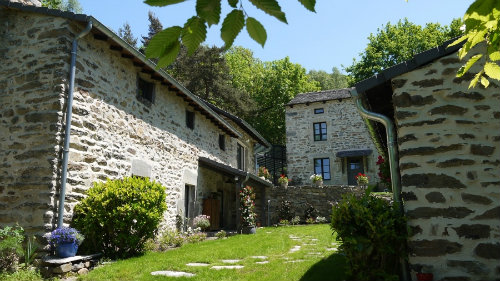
322,198
449,148
111,129
346,131
33,72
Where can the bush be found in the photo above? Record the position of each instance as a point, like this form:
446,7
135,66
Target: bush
11,247
320,219
202,221
221,234
373,236
119,216
295,220
24,274
310,221
285,211
310,212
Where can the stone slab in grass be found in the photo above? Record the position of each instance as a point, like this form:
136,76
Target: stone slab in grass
259,257
295,261
294,249
231,261
331,249
197,264
169,273
262,262
219,267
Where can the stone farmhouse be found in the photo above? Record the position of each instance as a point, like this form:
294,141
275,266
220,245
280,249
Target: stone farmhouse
448,138
326,135
128,118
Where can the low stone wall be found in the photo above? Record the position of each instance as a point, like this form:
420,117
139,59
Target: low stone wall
322,198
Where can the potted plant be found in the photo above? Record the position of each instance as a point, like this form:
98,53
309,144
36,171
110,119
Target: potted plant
283,181
361,179
66,241
263,173
317,179
247,208
202,221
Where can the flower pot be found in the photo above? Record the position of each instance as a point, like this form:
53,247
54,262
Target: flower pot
284,185
250,229
262,178
66,250
425,277
318,183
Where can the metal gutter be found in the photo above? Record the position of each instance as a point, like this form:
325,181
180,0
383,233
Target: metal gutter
104,29
393,158
67,129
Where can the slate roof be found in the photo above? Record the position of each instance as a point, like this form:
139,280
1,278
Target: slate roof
321,96
102,32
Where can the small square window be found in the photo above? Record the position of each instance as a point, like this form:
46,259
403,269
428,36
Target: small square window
145,91
222,142
319,111
190,119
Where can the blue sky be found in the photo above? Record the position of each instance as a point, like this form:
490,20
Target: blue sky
332,36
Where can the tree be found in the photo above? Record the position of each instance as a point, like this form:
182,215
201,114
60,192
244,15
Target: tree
271,85
125,33
66,5
155,26
328,81
206,74
397,43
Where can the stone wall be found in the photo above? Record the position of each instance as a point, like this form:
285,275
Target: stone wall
33,72
449,138
322,198
112,132
346,131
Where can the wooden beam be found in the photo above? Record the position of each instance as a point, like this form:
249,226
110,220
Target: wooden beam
116,48
138,63
127,56
100,36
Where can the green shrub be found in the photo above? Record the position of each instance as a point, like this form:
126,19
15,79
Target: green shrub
221,234
285,211
310,212
373,236
118,216
169,239
24,274
295,220
11,247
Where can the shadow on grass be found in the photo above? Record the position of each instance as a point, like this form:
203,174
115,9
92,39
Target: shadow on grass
331,268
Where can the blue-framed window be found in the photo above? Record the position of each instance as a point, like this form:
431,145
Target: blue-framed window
322,167
319,110
320,131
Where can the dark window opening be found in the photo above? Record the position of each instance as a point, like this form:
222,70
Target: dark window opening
190,119
319,111
222,141
320,131
145,91
322,167
240,154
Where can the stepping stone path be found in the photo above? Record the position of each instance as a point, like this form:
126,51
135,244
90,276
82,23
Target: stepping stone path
331,249
197,264
309,244
231,261
173,273
219,267
259,257
295,238
262,262
295,249
294,261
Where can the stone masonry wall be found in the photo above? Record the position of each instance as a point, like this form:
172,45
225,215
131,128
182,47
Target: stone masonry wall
322,198
449,148
33,72
346,131
111,129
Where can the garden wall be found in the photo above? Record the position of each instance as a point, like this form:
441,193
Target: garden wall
322,198
449,148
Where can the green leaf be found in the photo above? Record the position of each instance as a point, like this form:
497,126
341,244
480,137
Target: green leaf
162,40
161,3
209,10
457,41
309,4
256,30
485,82
231,27
232,3
271,7
468,65
495,56
492,70
194,33
474,81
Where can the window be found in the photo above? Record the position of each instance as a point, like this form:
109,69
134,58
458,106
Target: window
322,167
320,131
319,111
190,119
222,142
145,91
240,154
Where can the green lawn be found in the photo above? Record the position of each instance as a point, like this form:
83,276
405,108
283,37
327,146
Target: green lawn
311,262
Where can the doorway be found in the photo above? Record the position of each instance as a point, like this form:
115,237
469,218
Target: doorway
354,167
